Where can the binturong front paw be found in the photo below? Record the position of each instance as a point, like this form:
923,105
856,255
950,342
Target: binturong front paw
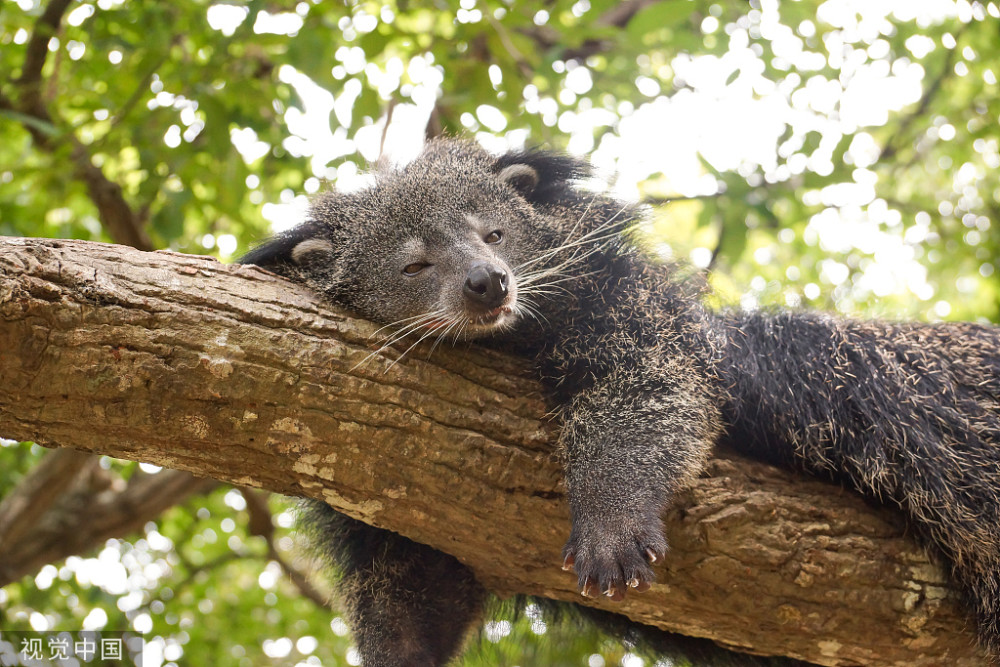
612,554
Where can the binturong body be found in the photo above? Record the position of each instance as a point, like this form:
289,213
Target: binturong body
508,250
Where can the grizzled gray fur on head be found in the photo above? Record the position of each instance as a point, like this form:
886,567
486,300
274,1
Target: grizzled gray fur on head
396,250
509,250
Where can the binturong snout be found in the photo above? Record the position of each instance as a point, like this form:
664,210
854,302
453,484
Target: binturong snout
486,286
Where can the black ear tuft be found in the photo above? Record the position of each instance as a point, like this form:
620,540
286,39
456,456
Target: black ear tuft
279,249
521,177
541,176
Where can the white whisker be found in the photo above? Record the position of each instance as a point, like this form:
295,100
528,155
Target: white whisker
398,322
407,350
400,334
444,334
599,233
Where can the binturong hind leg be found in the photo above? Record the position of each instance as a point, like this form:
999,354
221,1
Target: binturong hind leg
407,604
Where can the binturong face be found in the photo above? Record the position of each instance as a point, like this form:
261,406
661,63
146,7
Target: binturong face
424,252
455,277
454,273
458,244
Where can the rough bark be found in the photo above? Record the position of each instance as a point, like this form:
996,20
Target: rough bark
230,372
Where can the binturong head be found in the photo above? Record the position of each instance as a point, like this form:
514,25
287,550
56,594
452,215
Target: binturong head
455,244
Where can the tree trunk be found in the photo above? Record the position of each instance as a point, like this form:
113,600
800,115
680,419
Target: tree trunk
233,373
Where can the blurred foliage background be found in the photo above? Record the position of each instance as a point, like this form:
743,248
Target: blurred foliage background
838,154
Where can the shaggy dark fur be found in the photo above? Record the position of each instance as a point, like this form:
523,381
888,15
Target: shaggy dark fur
510,251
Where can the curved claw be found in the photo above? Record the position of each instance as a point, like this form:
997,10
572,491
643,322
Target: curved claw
615,594
612,559
568,562
640,586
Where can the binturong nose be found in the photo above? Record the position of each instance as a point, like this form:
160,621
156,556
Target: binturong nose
486,286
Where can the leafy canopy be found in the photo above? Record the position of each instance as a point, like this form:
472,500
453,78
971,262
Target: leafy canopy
838,154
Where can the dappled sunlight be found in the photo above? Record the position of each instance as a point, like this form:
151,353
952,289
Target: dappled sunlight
840,155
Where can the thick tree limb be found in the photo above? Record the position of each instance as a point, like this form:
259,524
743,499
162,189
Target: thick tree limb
233,373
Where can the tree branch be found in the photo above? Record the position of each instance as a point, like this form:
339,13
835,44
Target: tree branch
122,224
525,67
81,510
233,373
21,509
617,16
900,135
262,525
37,50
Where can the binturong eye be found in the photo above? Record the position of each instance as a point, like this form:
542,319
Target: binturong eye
494,237
414,269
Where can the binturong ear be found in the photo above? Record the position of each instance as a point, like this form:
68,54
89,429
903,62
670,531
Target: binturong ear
302,254
541,177
521,177
300,246
312,251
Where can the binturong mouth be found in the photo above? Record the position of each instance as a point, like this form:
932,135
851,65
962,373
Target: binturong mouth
491,316
466,323
479,323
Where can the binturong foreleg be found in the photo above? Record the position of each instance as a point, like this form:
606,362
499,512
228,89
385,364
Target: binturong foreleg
629,443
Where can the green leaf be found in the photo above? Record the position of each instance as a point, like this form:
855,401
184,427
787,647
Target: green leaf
669,13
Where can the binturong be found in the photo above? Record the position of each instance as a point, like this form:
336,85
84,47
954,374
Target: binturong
509,250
